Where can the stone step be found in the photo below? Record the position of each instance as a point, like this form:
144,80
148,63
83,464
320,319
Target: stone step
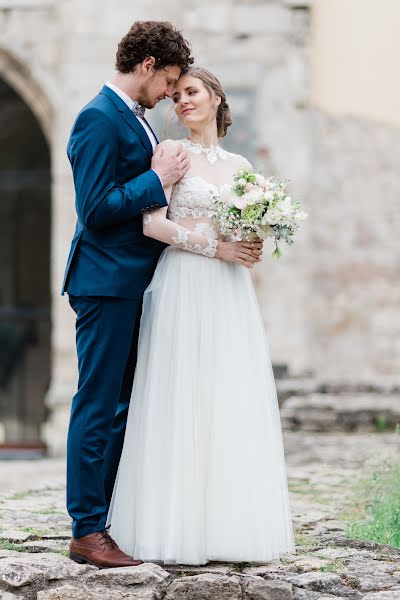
288,386
341,412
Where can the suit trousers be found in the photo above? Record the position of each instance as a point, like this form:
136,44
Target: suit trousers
107,331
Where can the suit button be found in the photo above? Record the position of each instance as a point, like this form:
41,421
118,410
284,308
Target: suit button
157,205
142,210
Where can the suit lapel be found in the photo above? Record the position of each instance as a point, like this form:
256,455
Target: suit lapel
151,129
133,122
129,117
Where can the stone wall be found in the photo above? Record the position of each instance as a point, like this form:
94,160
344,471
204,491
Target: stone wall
329,304
355,271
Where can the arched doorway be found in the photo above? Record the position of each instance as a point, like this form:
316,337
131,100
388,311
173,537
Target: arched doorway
25,205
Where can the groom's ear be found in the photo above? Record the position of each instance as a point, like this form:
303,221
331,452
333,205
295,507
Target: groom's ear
148,63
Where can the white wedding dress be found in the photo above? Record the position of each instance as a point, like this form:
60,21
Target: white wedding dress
202,474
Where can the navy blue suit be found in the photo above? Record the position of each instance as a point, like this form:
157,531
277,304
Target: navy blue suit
110,264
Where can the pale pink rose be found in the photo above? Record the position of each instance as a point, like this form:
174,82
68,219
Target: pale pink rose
261,181
267,185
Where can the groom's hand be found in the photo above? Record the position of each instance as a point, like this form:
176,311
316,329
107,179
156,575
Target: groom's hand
170,162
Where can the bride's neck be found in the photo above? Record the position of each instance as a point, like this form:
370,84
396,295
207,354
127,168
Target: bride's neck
206,137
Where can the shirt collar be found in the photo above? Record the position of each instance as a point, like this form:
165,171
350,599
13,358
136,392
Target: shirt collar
128,101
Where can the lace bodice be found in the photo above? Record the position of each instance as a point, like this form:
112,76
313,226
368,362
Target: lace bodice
187,222
192,205
192,196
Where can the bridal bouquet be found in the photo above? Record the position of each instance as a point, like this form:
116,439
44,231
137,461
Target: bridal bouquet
257,207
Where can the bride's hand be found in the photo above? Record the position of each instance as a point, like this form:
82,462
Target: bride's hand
244,253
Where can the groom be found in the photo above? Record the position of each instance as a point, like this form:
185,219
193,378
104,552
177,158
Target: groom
117,179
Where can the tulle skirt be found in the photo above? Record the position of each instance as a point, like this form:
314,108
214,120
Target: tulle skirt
202,474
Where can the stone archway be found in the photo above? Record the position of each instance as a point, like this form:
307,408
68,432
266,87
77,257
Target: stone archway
25,239
21,80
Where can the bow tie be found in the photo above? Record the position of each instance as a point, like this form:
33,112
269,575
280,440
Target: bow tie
138,109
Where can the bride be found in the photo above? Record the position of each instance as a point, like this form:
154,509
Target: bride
202,473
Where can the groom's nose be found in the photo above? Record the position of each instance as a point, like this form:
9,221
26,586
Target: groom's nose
169,91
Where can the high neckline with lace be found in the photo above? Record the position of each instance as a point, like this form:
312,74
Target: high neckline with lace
213,152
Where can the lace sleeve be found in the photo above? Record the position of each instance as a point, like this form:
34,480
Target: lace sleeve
157,226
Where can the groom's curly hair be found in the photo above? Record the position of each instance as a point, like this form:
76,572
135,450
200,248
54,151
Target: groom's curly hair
159,39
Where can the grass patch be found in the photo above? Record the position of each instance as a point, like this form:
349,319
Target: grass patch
374,512
305,540
19,495
49,511
36,532
332,567
4,545
306,488
381,424
287,561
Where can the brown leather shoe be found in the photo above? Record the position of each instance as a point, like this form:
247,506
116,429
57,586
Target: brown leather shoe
100,550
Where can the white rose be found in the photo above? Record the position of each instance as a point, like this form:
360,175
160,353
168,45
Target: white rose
272,217
242,182
285,206
268,196
241,201
254,196
228,196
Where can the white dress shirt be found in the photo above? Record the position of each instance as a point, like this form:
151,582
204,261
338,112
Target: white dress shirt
129,102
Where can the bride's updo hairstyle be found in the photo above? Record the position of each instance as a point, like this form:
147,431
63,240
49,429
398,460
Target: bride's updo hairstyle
214,88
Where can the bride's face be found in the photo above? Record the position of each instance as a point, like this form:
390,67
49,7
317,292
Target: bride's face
194,106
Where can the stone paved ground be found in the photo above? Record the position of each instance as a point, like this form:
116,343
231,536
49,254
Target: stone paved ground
322,469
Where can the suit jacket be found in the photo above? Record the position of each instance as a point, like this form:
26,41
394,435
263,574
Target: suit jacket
110,154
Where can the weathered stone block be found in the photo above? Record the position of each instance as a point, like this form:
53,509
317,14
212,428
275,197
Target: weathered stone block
27,569
205,587
341,412
272,18
319,581
15,573
393,594
9,596
145,574
73,592
14,535
257,588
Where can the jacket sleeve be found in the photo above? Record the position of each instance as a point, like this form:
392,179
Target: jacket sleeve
157,226
93,152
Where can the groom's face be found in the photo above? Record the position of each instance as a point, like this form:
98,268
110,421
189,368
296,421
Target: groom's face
158,84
